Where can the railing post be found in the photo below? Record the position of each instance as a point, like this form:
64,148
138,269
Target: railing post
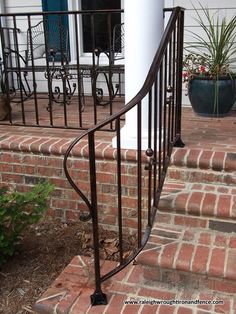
180,43
98,297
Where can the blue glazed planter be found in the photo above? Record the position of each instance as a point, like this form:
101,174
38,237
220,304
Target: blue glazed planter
203,96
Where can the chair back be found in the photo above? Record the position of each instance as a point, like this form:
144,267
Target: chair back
49,35
118,42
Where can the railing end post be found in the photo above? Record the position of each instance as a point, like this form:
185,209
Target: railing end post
98,298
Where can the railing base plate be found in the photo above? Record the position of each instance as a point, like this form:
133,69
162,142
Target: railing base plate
98,298
179,143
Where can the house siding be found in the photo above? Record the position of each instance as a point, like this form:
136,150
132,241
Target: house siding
225,7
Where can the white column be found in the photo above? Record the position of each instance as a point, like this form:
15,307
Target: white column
144,26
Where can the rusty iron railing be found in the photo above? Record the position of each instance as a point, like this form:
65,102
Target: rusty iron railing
163,87
46,63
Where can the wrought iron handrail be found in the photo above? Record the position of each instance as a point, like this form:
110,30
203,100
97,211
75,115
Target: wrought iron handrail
163,88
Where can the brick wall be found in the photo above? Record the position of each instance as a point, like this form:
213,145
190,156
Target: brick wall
25,160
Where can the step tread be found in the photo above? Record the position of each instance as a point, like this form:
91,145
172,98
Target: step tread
207,253
70,293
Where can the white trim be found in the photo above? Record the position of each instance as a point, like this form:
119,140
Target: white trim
169,3
2,6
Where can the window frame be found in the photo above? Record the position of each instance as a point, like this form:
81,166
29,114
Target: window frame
85,57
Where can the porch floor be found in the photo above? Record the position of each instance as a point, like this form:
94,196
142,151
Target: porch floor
217,134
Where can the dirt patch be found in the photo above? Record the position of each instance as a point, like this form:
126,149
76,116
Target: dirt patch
43,252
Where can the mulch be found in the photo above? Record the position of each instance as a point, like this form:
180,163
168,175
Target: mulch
44,250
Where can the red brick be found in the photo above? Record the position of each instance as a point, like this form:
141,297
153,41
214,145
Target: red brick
200,259
119,287
180,202
208,204
116,304
96,309
184,310
179,156
230,266
167,255
209,188
220,240
8,168
136,274
197,186
207,297
223,308
166,309
194,203
156,294
129,309
151,274
216,267
13,178
205,159
232,242
150,309
150,257
233,212
164,218
205,238
234,305
189,235
65,304
184,258
106,178
45,147
219,285
230,162
165,204
223,206
190,221
192,159
223,190
55,148
82,304
217,161
35,146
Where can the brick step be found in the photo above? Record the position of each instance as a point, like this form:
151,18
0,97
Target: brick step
193,258
204,159
183,220
205,166
207,176
219,202
70,293
198,205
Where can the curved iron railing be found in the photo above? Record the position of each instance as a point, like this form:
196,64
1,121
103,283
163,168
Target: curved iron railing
161,97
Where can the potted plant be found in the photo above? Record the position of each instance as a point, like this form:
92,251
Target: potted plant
211,83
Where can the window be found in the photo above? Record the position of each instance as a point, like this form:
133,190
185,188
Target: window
100,23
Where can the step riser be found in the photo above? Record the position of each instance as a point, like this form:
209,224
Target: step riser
204,159
153,276
202,176
201,203
172,219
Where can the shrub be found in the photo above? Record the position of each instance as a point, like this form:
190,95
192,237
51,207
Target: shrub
17,211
